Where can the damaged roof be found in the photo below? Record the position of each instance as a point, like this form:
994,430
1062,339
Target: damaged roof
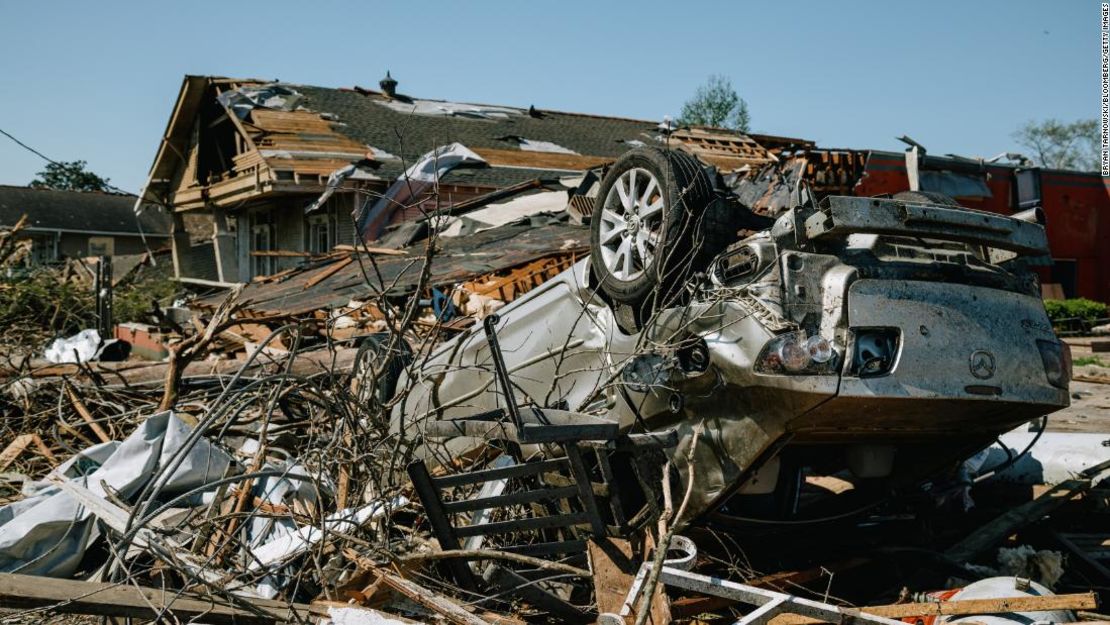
505,136
79,211
293,136
320,285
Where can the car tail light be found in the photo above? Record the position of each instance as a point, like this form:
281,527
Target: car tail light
795,354
1056,357
875,351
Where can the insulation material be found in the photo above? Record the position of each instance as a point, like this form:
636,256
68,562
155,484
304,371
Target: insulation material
48,532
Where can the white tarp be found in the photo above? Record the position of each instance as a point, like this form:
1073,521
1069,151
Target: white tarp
47,532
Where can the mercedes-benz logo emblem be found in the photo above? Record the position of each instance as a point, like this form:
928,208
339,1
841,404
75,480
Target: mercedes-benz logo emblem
982,364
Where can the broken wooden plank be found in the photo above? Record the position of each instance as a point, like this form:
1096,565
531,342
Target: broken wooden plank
1086,560
327,273
65,596
614,567
996,531
369,249
1077,601
83,410
541,160
450,610
18,445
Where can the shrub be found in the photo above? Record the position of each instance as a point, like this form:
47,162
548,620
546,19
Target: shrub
1082,308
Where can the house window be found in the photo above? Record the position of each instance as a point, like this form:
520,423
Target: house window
43,249
102,246
261,241
320,234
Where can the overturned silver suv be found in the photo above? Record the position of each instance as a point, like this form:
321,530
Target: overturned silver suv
881,338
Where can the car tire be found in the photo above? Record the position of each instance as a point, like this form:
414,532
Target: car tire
926,197
653,226
376,369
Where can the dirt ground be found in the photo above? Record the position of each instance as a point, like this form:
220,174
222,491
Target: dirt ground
1090,400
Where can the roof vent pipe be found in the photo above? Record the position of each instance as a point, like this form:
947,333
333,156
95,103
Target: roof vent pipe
388,85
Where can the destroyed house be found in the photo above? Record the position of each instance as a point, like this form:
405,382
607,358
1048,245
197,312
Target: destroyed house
254,157
73,224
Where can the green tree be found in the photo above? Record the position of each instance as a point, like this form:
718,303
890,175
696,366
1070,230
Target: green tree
70,176
716,103
1062,145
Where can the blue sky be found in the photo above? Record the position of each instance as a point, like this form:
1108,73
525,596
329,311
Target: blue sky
96,80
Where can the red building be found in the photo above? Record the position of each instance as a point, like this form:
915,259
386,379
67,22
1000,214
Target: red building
1076,204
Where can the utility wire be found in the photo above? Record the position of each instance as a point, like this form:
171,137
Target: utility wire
110,187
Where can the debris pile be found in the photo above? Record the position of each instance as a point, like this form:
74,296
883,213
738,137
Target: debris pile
279,491
272,467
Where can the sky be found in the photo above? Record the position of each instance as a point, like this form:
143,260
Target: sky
96,81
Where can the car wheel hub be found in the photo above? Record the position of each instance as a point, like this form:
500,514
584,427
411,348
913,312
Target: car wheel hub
631,224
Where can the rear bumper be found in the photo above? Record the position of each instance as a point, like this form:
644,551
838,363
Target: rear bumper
901,419
967,363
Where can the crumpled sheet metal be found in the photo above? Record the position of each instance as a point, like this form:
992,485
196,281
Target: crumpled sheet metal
411,185
243,100
48,532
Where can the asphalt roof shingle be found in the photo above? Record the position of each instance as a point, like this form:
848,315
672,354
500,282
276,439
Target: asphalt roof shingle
77,211
409,135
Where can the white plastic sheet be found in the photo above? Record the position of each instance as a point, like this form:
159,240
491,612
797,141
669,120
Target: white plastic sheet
48,532
80,347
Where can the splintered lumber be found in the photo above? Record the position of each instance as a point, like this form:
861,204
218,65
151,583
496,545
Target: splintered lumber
19,444
14,449
83,410
450,610
996,531
1086,560
446,608
65,596
614,567
370,249
1078,601
327,273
